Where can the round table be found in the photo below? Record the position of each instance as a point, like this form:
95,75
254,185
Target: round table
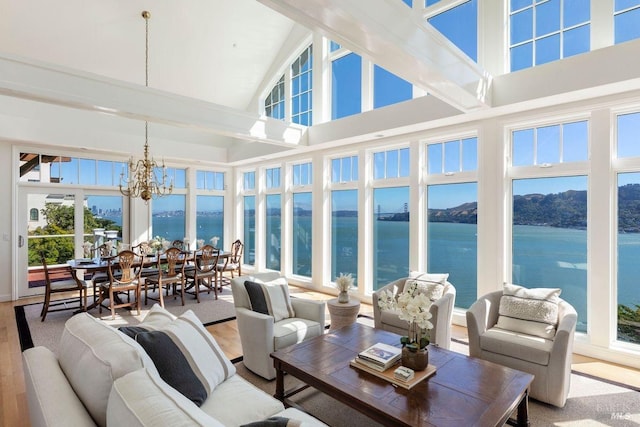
343,314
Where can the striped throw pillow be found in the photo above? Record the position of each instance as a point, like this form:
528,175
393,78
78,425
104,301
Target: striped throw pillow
270,298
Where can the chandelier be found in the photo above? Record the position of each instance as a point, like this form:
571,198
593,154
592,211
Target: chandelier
146,179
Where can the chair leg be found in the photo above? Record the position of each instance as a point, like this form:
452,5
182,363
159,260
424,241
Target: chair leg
45,306
182,292
138,297
112,304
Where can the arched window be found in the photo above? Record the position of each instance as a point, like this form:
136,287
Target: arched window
33,214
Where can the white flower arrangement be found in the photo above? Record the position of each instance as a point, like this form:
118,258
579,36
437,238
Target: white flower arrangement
414,308
87,249
200,243
214,241
344,282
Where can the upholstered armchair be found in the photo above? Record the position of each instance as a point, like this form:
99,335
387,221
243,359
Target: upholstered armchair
261,334
441,314
548,359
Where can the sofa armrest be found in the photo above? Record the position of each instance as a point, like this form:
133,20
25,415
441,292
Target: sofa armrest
441,317
309,309
51,400
482,315
256,336
396,287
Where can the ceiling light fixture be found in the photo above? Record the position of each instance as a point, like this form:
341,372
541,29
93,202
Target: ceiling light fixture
146,179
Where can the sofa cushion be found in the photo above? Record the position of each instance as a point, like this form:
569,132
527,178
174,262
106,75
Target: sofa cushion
274,422
270,298
92,355
530,311
294,330
519,346
296,414
141,398
236,401
430,284
187,356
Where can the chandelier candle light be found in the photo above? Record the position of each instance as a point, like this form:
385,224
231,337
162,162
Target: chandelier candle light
146,179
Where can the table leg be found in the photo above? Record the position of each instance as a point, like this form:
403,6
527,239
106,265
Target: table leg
279,381
523,411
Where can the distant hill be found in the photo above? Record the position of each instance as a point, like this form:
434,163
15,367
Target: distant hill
566,210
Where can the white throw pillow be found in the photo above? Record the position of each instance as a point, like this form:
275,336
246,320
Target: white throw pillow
270,298
430,284
187,356
92,355
530,311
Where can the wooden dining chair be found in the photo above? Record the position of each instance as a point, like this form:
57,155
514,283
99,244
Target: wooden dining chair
170,275
204,274
124,278
61,280
232,263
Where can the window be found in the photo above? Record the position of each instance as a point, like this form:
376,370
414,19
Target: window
549,237
628,129
33,214
625,20
301,88
274,103
302,174
302,234
209,220
346,86
628,248
391,164
344,233
460,155
546,145
208,180
390,235
273,178
344,169
452,230
460,25
249,180
544,31
168,217
249,230
273,231
388,88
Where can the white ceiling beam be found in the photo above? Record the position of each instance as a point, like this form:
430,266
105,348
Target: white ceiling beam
27,79
396,38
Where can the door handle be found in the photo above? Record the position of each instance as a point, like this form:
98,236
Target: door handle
20,241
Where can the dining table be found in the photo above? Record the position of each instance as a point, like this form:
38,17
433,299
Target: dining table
92,267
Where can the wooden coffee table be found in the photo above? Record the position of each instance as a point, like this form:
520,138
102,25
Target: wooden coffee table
464,391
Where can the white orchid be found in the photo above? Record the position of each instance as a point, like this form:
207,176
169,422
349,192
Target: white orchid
414,308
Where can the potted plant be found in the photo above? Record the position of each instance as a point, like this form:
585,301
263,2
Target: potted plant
413,306
344,283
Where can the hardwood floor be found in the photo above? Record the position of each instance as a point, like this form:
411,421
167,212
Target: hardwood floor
13,404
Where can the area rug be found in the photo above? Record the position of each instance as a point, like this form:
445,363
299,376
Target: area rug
591,402
33,332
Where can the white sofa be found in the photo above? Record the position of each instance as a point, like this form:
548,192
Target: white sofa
261,335
101,377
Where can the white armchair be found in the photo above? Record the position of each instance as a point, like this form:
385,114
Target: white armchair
441,314
260,335
549,360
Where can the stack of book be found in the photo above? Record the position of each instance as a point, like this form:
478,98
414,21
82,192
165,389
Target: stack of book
379,357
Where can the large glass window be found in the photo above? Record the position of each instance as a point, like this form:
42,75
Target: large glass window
273,178
390,235
452,230
301,88
273,230
274,103
549,237
344,169
168,219
249,230
628,135
625,20
302,235
249,181
344,233
209,220
458,155
209,180
391,164
544,31
346,86
628,271
546,145
302,174
388,88
460,25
